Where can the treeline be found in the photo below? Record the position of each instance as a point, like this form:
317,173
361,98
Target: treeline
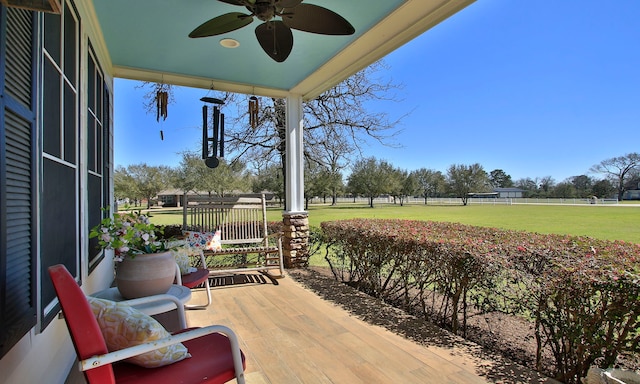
370,178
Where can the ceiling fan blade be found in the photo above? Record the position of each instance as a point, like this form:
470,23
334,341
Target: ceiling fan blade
316,19
233,2
287,3
276,39
222,24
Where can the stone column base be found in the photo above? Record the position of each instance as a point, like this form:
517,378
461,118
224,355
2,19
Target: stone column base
295,242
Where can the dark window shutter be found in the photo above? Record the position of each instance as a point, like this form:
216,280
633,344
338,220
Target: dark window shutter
17,194
19,56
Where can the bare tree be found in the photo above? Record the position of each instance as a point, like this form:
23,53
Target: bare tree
337,123
343,109
619,169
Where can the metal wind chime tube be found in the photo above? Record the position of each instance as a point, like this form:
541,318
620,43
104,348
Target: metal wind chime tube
216,126
205,138
254,107
222,135
210,144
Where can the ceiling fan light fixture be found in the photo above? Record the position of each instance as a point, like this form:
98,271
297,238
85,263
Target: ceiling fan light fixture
230,43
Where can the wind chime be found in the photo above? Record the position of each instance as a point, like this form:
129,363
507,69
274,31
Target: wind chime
162,102
212,141
254,107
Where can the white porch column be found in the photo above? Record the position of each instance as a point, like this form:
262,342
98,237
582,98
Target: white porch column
295,242
294,156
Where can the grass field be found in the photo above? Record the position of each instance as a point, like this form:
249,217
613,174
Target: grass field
611,222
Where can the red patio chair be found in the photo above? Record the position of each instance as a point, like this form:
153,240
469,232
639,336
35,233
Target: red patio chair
216,356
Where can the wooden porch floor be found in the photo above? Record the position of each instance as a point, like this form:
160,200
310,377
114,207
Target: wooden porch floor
291,335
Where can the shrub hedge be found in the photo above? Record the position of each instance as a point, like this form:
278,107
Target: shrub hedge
582,294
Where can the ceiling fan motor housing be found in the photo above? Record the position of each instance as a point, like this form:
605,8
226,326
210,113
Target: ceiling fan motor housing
264,10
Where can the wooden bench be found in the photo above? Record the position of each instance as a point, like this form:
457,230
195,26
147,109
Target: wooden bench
242,222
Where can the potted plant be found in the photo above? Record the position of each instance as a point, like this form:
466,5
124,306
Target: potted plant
144,264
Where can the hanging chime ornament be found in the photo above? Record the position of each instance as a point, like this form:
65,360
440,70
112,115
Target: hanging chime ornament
254,107
162,101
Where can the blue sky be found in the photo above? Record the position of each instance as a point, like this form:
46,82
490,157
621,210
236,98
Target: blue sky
534,87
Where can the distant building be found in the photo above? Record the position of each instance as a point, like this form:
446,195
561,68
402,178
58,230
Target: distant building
175,197
632,194
170,198
482,195
509,192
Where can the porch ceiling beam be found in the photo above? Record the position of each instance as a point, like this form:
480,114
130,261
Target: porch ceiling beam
196,82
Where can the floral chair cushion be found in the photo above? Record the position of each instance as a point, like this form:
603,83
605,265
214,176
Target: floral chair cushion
203,240
183,253
123,326
182,259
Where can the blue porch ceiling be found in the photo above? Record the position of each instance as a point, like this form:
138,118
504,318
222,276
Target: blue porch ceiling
148,40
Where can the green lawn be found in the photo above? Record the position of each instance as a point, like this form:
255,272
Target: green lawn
613,222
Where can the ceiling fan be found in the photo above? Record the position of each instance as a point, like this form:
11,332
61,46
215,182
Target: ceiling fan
275,36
